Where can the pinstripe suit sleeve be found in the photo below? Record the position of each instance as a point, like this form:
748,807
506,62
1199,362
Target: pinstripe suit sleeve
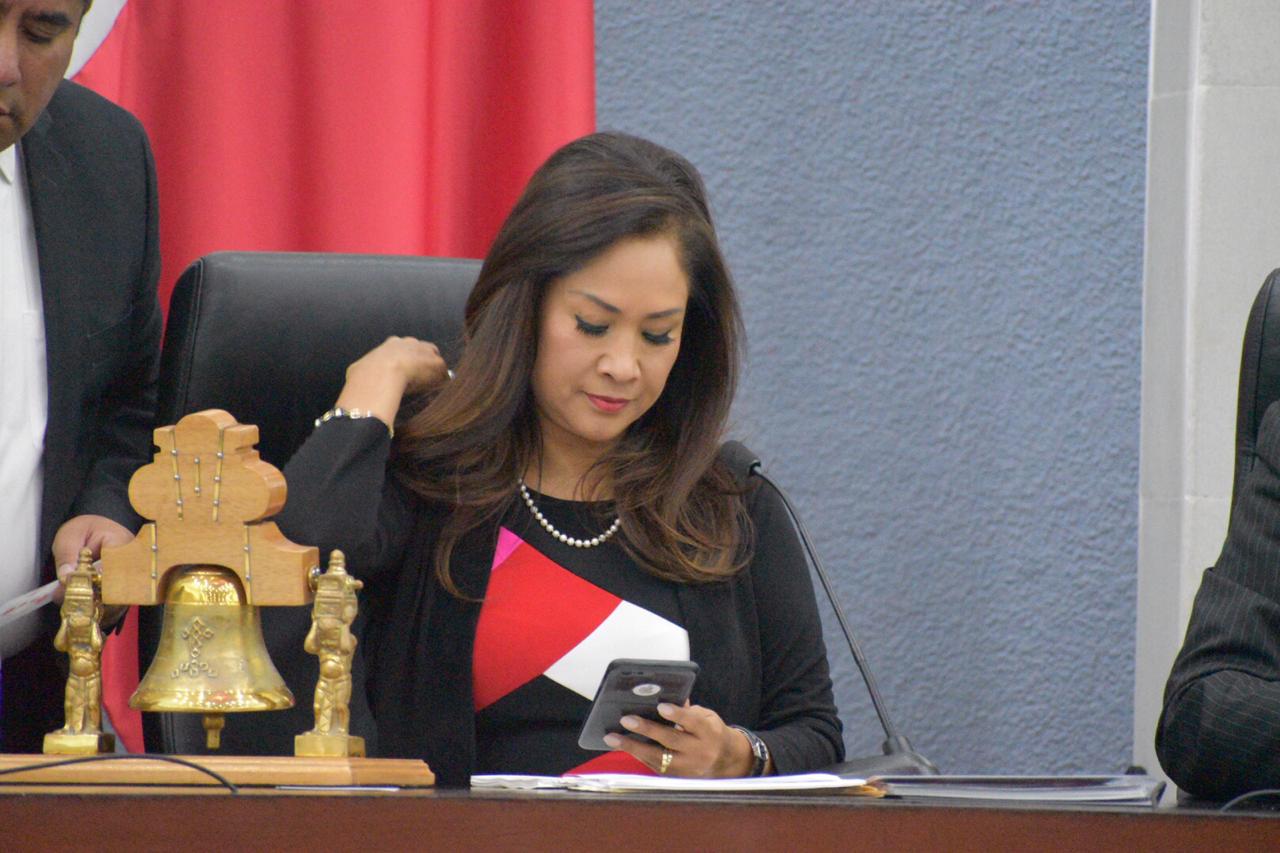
1219,733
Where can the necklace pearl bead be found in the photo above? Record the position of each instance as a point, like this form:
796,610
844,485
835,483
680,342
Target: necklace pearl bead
551,528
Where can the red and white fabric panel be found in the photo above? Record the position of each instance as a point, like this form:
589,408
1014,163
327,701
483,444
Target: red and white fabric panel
540,619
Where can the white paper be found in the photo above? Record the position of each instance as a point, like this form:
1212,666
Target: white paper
27,602
516,782
620,782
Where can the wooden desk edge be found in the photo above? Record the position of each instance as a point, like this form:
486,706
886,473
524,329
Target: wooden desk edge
247,771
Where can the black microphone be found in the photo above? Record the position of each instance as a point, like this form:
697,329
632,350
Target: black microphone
899,758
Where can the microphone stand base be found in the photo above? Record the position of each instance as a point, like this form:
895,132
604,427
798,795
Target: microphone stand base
909,763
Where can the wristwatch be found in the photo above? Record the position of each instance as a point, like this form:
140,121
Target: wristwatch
759,751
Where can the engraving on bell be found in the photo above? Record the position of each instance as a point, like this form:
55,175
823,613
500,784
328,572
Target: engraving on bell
211,658
196,634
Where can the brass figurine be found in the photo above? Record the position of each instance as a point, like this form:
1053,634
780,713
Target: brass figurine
80,636
331,640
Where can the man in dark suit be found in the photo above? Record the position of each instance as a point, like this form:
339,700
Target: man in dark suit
1219,734
81,190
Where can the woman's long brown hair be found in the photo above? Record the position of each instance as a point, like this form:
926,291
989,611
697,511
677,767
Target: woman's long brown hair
682,517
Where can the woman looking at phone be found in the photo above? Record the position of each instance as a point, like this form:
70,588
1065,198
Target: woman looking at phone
558,501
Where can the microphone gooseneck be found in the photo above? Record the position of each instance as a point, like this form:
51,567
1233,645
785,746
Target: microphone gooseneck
899,757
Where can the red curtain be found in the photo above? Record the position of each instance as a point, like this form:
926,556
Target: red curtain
397,126
389,126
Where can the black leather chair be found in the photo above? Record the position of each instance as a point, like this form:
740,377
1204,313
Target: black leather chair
268,337
1259,374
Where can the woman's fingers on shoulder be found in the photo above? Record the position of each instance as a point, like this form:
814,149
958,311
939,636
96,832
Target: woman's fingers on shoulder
405,362
408,344
419,350
410,354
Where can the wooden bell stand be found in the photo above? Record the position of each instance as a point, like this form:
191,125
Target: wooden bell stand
208,494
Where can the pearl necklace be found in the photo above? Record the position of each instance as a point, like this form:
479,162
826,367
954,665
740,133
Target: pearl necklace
550,528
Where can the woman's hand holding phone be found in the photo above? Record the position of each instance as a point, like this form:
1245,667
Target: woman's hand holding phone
700,743
683,740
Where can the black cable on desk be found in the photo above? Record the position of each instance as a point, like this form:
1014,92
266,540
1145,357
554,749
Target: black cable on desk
1261,792
218,777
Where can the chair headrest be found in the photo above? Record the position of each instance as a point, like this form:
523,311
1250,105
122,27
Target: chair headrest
268,335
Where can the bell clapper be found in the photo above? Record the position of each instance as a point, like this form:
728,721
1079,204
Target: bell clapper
213,724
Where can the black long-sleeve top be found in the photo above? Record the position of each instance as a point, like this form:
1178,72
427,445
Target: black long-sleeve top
756,636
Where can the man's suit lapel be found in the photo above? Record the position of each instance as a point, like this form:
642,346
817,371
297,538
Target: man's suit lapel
55,211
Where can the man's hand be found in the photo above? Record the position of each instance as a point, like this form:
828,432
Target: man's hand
92,532
85,531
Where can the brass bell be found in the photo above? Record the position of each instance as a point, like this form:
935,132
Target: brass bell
211,657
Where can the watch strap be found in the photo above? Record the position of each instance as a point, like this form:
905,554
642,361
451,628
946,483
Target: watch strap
759,751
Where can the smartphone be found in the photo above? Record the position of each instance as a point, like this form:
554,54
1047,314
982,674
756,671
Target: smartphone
635,687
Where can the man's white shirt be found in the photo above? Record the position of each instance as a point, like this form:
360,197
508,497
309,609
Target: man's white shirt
23,398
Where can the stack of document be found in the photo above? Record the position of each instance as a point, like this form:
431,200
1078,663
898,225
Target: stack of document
1083,790
613,783
1092,790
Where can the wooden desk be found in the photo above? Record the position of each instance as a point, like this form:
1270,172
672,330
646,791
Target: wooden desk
445,820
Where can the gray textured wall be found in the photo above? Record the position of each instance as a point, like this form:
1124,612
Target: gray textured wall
934,214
